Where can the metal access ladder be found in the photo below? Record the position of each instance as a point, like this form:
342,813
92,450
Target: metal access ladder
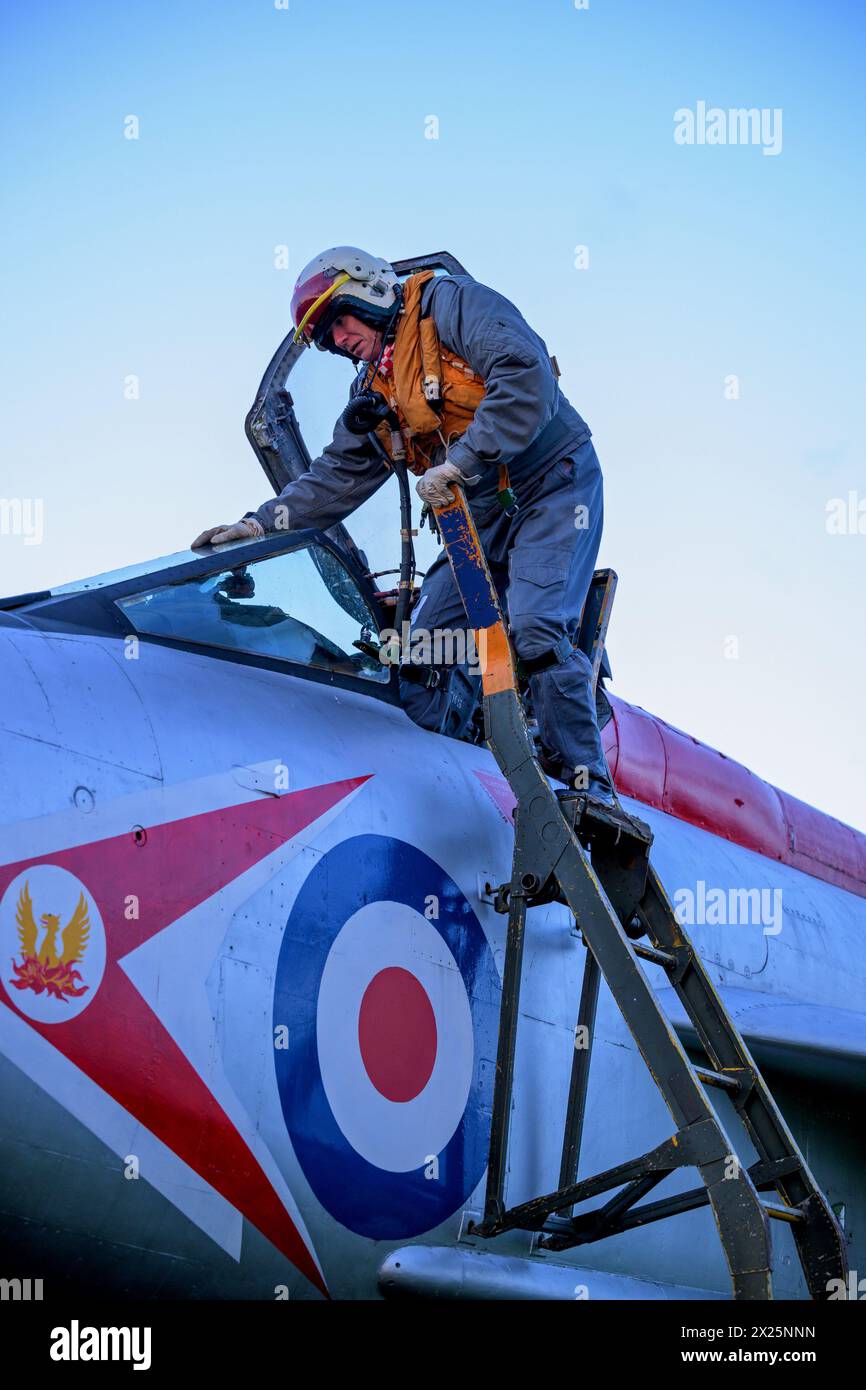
597,862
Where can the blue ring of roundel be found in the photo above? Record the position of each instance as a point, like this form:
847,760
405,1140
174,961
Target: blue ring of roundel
367,1199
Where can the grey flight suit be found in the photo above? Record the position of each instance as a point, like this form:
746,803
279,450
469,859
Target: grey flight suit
543,557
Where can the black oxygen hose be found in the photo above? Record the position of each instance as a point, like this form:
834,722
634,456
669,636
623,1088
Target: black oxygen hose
365,410
407,550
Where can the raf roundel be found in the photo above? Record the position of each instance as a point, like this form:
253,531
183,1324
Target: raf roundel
390,995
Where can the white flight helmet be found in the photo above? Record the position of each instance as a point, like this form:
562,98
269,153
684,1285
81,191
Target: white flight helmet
343,280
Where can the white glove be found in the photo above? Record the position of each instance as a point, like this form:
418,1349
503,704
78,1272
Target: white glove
248,529
433,486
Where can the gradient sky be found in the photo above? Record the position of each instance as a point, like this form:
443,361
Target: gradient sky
305,127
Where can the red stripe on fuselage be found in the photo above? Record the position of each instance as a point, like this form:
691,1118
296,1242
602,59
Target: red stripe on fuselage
665,768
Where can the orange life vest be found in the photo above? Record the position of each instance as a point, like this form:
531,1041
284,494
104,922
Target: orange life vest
425,370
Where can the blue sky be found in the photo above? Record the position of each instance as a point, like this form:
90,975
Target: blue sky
305,127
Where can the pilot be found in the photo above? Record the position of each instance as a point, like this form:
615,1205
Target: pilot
474,400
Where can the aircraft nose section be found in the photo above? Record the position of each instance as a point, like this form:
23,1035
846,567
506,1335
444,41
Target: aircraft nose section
73,727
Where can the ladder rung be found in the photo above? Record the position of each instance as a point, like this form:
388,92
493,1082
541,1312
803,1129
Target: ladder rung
663,958
718,1078
778,1212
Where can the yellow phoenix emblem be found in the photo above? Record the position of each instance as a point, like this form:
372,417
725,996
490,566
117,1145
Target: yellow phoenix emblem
47,968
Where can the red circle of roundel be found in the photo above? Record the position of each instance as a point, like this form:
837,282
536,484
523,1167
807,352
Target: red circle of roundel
397,1034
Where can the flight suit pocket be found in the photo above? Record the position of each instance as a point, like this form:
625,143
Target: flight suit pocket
535,595
541,573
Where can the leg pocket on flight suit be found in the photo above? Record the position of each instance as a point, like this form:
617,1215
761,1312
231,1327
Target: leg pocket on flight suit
535,590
